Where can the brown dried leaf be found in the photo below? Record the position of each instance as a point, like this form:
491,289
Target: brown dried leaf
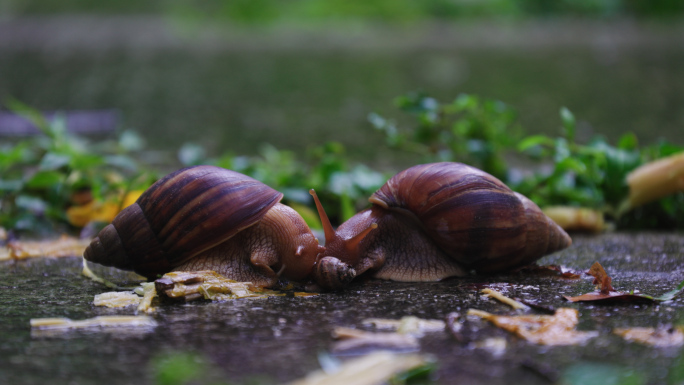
65,246
605,291
662,337
601,278
354,339
558,329
374,368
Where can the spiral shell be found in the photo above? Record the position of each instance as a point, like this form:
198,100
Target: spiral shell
181,215
472,216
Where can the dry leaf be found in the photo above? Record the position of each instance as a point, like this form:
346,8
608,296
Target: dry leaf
606,292
354,339
371,369
558,329
406,325
662,337
97,322
114,299
65,246
503,299
576,218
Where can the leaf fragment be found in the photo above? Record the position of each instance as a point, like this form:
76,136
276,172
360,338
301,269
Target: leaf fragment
354,339
65,246
661,337
607,293
208,284
656,179
96,322
374,368
502,298
558,329
407,325
114,299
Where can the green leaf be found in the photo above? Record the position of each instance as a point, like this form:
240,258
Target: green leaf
85,161
569,123
628,141
44,179
32,204
121,161
52,161
671,294
535,140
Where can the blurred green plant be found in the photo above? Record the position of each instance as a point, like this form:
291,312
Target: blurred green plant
41,176
386,11
470,130
594,175
484,133
342,188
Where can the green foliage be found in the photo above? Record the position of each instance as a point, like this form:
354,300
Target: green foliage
483,133
303,11
39,175
470,130
594,175
343,189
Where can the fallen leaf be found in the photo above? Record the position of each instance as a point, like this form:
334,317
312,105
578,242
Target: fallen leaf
354,339
65,246
607,293
490,293
558,329
207,284
601,278
406,325
96,322
662,337
371,369
115,299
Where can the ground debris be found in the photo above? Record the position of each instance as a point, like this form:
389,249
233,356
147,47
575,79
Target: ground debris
64,246
606,293
406,325
558,329
580,219
114,299
96,322
661,337
207,284
655,180
490,293
374,368
354,339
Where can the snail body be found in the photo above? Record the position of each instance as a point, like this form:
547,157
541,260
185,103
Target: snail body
209,218
440,220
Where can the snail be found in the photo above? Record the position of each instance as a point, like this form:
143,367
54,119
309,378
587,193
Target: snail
210,218
435,221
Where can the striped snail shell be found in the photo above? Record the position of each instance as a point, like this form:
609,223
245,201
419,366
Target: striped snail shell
209,218
440,220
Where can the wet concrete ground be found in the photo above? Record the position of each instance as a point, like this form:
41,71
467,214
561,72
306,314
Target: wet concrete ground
280,338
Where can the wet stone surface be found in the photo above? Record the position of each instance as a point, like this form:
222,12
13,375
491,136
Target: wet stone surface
279,338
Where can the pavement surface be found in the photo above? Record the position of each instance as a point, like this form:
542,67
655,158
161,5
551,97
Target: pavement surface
280,339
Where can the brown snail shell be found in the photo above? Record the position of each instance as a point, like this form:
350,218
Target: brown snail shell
444,219
206,217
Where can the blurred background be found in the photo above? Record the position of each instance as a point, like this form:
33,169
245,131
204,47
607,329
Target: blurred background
232,75
223,82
